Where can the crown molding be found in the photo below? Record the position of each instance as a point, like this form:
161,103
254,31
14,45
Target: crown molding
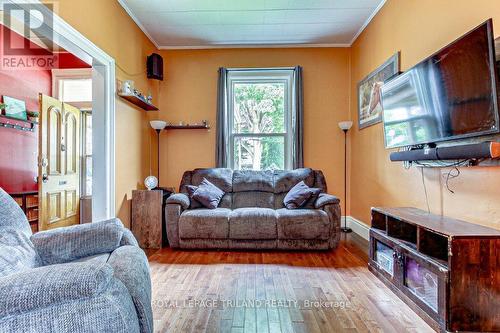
368,20
138,23
251,46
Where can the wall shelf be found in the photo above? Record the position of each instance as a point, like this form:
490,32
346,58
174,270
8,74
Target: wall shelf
16,125
171,127
134,99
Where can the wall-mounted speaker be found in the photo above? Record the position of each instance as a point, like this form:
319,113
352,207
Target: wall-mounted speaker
155,67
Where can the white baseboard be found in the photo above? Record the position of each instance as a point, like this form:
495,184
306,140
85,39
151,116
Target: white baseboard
357,227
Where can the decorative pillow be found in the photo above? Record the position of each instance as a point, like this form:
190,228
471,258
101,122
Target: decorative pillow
207,194
310,203
299,195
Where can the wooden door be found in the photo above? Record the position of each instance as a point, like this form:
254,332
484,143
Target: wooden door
59,164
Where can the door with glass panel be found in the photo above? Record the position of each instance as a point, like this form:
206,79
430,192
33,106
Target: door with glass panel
59,164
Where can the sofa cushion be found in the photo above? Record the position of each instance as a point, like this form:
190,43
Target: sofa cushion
253,199
207,194
303,224
204,223
252,223
285,180
249,180
220,177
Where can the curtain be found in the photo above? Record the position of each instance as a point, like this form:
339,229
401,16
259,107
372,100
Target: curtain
221,147
298,120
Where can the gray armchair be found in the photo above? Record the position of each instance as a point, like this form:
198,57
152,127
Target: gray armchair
84,278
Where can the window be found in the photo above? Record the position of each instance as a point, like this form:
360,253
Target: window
260,107
73,86
87,153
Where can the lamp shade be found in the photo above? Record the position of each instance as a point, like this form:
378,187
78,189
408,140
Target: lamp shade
158,124
345,125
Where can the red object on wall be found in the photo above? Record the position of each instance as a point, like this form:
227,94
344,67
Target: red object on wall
19,149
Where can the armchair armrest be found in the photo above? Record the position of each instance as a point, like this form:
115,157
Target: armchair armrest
326,199
179,199
48,285
70,243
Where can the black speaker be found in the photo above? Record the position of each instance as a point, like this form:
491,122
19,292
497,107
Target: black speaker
468,151
155,67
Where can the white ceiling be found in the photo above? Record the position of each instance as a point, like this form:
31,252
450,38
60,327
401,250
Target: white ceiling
177,24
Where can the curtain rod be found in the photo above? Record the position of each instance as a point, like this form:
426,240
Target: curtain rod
260,68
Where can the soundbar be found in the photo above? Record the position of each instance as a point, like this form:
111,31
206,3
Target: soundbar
469,151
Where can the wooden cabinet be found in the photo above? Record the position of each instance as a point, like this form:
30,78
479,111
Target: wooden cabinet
28,201
147,218
447,270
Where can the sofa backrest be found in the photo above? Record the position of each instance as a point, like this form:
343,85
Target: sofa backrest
245,188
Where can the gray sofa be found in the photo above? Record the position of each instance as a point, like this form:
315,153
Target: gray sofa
84,278
251,215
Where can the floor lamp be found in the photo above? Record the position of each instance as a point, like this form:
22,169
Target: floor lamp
158,126
345,126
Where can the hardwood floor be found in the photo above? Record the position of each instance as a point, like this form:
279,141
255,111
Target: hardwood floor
212,291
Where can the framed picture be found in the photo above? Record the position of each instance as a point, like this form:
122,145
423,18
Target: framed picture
369,97
15,108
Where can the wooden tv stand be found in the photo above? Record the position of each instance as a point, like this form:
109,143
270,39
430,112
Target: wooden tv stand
446,270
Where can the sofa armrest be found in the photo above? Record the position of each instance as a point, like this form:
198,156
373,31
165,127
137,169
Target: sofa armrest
70,243
326,199
179,199
49,285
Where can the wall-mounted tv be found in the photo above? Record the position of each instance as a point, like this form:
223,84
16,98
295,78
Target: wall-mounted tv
450,95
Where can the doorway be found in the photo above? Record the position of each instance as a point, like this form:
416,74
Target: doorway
103,99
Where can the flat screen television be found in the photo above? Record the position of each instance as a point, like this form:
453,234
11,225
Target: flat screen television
450,95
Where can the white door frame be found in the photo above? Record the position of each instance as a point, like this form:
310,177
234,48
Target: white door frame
103,105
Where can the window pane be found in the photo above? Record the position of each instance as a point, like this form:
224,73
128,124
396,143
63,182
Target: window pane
259,108
88,133
264,153
75,90
88,175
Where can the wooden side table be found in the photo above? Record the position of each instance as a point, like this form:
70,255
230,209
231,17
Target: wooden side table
147,218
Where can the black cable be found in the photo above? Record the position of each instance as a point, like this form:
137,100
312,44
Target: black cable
425,190
451,176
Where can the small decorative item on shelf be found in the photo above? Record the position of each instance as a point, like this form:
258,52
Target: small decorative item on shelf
3,106
151,182
127,87
150,98
33,116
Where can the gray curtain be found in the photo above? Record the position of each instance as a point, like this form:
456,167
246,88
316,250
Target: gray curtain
298,120
221,148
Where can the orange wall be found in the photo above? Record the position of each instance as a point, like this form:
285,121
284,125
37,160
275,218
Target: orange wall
417,28
189,94
108,26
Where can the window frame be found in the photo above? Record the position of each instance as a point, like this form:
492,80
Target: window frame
255,76
71,74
